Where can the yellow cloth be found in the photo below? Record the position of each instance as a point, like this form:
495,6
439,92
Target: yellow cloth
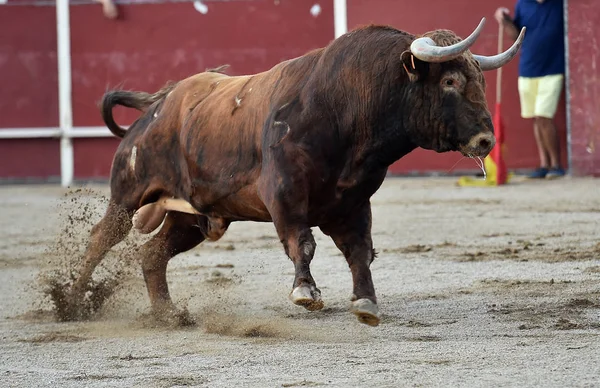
490,179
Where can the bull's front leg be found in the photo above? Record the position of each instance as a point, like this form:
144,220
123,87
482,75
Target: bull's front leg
300,247
288,204
352,235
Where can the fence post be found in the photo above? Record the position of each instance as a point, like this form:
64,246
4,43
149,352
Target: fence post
568,87
65,106
340,19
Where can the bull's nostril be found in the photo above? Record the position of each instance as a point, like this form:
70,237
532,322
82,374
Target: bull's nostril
484,144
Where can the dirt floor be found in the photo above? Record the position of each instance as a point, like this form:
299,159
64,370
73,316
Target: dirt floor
476,286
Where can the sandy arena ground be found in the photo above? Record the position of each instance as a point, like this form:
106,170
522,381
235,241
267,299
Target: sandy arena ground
477,287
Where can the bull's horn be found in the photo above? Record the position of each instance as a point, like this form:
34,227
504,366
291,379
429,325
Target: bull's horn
496,61
426,49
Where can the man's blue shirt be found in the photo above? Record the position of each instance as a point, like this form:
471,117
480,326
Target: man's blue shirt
543,50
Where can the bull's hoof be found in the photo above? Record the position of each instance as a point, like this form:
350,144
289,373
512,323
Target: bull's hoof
69,305
170,316
71,310
366,311
308,297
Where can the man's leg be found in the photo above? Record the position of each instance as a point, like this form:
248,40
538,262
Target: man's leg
538,131
549,90
549,140
528,90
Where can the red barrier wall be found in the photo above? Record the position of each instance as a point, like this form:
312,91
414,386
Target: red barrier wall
150,45
28,89
154,43
584,82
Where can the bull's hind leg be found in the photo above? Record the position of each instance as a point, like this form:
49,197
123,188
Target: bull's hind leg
353,237
179,233
111,230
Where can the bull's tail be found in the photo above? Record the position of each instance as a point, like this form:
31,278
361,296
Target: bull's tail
137,100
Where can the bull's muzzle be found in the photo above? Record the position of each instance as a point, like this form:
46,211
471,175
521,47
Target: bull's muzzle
480,145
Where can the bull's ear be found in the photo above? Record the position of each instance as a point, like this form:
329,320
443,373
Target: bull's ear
414,67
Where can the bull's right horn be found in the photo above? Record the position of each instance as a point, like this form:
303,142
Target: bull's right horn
496,61
427,50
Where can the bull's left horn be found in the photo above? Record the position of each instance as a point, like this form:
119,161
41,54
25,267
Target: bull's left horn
427,50
496,61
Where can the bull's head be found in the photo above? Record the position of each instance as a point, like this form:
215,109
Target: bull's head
449,81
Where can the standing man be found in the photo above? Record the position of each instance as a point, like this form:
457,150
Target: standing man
541,73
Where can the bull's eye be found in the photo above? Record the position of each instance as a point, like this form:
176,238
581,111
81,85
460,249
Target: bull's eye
449,82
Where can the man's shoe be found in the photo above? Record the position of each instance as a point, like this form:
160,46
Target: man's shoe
555,172
540,173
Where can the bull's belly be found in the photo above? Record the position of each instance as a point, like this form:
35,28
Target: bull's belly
242,205
329,202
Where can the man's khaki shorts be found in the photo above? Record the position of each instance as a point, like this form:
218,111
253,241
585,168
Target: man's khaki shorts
539,95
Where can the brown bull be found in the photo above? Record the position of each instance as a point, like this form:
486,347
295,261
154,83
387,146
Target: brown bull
304,144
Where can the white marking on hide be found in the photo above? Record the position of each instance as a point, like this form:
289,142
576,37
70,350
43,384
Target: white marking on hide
307,249
365,305
155,114
306,296
168,94
277,123
200,7
315,10
132,158
238,101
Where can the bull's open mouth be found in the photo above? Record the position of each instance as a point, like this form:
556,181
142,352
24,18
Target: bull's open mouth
474,155
478,161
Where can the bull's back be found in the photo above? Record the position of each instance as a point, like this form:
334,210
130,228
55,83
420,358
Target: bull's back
223,117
